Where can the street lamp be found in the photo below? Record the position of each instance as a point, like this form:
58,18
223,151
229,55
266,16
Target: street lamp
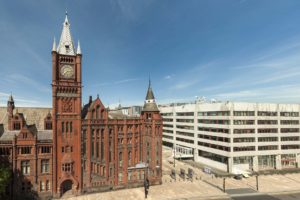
257,182
174,152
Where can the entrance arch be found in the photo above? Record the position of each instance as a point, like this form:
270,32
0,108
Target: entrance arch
66,186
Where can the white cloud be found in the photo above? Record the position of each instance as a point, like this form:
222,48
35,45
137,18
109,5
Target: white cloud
283,93
168,77
19,79
117,82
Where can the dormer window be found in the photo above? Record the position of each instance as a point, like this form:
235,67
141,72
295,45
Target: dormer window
17,126
67,48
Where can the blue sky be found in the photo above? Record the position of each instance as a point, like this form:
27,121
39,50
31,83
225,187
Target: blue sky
236,50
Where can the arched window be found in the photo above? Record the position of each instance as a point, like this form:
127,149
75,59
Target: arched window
97,112
120,158
129,158
102,114
67,127
71,127
63,127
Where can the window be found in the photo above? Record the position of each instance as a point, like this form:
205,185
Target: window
63,127
110,172
246,139
210,129
209,121
45,166
129,175
289,130
184,120
243,122
17,126
103,171
45,149
246,148
270,122
4,151
25,167
102,144
120,158
214,113
243,131
67,127
263,113
42,186
243,113
185,114
97,112
97,143
267,139
71,127
25,150
67,167
268,130
93,142
120,177
48,125
289,114
267,148
48,185
129,158
289,122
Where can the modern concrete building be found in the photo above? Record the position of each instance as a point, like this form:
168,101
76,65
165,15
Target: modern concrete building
233,136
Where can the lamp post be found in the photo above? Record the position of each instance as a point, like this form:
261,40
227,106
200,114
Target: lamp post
257,182
174,153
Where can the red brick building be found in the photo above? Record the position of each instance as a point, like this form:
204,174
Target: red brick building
81,149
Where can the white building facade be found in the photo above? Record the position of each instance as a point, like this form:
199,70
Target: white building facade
235,137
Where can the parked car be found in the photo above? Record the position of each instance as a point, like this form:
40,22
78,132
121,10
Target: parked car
238,176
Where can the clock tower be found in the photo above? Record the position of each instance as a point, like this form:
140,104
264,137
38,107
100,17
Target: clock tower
66,104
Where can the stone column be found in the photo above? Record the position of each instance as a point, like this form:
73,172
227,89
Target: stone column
255,163
298,160
230,164
278,162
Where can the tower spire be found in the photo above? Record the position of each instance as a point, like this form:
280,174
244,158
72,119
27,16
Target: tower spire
78,48
66,45
150,104
54,45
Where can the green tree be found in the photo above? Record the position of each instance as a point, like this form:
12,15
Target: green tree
5,176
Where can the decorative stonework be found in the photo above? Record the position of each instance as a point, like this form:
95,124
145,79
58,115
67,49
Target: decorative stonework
67,107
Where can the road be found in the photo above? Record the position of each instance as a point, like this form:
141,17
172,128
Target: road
294,196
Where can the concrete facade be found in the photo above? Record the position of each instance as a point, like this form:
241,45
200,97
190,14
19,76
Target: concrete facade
234,136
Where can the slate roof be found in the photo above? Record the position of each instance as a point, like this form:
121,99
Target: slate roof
118,114
66,40
41,135
150,107
9,135
32,115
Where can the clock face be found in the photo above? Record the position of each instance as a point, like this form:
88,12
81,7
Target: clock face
67,71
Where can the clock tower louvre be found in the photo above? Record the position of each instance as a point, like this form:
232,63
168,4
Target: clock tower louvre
66,100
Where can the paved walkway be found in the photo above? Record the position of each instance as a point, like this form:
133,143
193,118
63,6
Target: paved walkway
204,186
